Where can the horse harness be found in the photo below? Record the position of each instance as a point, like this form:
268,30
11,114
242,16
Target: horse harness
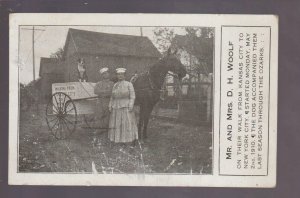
152,86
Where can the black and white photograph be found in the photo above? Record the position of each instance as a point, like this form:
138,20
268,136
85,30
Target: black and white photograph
149,100
116,99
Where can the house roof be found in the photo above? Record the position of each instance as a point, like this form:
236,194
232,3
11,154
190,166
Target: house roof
110,44
50,65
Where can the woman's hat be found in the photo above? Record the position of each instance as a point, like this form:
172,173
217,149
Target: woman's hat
102,70
120,70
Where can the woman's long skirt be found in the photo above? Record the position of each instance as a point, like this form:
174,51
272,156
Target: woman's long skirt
122,126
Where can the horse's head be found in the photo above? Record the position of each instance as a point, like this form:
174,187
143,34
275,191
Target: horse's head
174,64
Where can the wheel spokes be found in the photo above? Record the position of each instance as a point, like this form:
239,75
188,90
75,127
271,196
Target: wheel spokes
56,102
53,105
55,118
63,124
64,102
66,110
54,124
64,121
56,130
68,120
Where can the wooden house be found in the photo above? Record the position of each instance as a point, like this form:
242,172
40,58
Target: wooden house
135,53
51,71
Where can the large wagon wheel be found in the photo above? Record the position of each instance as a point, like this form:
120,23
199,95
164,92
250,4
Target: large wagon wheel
61,115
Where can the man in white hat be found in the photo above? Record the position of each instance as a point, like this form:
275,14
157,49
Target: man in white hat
103,89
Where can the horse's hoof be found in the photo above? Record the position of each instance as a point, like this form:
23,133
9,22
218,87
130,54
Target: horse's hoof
141,141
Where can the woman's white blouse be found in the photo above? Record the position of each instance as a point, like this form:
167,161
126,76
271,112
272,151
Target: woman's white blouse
123,95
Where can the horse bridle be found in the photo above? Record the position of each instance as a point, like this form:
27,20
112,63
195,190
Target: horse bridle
174,75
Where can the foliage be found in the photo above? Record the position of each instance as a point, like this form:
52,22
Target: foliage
201,32
200,45
163,38
30,89
58,54
197,42
30,92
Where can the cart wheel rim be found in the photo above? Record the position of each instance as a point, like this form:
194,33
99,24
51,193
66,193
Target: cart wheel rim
61,115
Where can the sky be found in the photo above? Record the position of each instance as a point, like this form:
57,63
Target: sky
54,37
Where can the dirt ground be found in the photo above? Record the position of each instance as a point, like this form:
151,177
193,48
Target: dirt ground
171,147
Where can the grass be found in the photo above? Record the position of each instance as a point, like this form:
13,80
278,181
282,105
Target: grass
171,147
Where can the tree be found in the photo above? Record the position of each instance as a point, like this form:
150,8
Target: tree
58,54
163,38
200,32
200,44
197,41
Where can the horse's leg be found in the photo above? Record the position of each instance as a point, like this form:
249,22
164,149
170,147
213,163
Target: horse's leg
141,120
147,114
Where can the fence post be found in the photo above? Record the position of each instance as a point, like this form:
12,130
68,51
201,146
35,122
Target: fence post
209,99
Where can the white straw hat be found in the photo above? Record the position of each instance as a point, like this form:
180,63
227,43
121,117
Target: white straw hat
120,70
102,70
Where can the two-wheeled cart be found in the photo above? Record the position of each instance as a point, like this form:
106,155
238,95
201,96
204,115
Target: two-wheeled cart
70,105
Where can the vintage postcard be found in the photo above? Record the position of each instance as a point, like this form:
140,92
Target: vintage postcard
143,100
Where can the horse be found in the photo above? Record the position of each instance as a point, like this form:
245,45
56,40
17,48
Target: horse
148,86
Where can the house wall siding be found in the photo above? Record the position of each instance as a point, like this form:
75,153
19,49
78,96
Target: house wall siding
94,63
46,84
70,49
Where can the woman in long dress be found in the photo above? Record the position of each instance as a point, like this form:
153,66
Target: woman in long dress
122,123
103,89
